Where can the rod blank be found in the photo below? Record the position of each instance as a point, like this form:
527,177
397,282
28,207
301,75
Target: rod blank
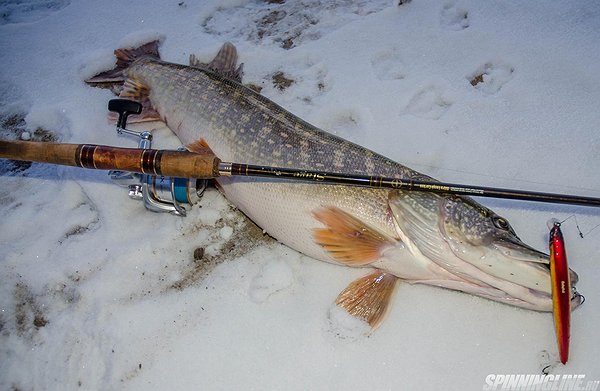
402,184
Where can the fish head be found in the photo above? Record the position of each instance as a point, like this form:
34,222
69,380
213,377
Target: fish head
478,248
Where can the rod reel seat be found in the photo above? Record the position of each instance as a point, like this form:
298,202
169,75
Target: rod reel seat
159,193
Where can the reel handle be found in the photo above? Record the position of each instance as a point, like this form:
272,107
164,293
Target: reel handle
124,107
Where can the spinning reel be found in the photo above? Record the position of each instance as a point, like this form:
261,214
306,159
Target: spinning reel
159,193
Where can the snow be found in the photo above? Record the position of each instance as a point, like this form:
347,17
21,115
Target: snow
98,293
273,277
345,326
226,232
138,38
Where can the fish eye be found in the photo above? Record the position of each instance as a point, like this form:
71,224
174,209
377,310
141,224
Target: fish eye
501,223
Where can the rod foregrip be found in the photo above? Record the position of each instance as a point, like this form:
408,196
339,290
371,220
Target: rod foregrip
181,164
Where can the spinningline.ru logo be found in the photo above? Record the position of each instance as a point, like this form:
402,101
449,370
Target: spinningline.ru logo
498,382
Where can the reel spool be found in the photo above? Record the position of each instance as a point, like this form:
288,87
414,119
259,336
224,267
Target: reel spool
159,193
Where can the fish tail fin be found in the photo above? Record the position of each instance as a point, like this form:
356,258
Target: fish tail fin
125,86
125,57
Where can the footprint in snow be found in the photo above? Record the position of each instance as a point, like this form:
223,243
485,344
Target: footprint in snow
429,103
388,65
287,24
309,80
345,122
314,78
274,276
490,78
82,216
454,17
27,11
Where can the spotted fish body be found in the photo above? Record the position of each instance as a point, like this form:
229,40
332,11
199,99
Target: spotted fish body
240,125
447,241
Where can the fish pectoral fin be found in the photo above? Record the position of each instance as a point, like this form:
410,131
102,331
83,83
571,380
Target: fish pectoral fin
368,297
347,239
224,63
199,146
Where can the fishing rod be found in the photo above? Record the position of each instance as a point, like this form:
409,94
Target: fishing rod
203,164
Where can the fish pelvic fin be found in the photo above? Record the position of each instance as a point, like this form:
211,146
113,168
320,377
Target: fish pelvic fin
136,90
199,146
224,63
369,297
348,239
125,56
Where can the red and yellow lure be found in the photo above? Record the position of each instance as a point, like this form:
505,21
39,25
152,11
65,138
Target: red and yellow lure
561,291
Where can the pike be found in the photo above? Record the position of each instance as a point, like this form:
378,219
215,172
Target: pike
419,237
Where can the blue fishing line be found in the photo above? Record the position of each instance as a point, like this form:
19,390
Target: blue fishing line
181,190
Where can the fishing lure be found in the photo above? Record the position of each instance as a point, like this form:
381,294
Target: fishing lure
561,291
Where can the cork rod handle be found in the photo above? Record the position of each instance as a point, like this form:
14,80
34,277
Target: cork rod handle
181,164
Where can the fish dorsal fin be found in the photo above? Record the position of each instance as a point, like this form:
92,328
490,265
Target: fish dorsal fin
194,62
224,63
348,239
369,297
226,59
199,146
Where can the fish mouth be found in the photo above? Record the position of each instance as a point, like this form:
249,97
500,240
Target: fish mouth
501,268
517,251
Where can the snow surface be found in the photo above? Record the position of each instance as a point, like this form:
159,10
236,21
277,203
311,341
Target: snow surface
98,293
